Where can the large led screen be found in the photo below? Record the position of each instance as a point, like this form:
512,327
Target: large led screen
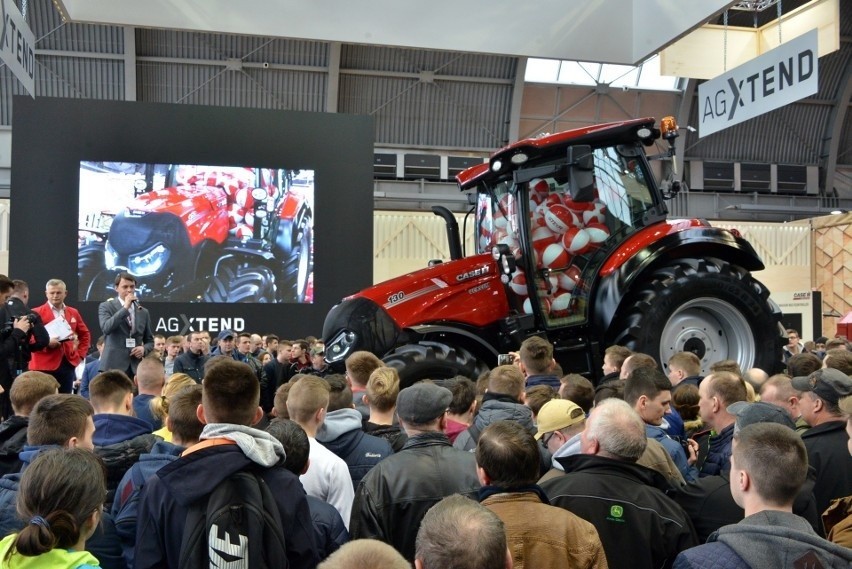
193,233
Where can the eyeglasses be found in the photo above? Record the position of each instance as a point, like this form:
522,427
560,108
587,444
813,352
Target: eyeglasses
545,439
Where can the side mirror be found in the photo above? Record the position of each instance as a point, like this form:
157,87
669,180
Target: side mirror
581,173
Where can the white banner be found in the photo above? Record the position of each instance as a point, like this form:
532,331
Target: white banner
776,78
17,46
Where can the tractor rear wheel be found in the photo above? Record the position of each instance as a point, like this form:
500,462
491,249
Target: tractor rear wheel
709,307
433,360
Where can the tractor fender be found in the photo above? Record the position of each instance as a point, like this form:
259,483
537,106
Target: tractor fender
637,257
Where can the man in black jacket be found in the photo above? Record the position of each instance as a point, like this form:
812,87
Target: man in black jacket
29,388
393,497
638,524
826,440
192,361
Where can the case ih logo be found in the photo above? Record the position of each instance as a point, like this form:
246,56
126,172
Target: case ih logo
474,273
183,324
801,296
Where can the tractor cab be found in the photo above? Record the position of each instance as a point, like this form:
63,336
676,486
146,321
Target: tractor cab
556,215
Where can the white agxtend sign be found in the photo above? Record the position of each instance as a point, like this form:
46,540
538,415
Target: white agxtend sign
776,78
17,45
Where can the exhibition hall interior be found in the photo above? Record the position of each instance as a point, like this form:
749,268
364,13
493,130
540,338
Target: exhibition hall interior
397,239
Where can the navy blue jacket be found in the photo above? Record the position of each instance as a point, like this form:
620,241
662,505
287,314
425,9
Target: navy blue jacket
125,506
331,531
167,496
549,380
341,434
142,408
111,429
714,454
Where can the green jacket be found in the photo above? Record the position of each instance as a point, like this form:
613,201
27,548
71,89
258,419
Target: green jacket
53,559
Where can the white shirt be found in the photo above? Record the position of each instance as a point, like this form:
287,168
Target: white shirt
328,479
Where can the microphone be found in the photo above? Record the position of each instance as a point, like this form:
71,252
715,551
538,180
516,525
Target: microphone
134,304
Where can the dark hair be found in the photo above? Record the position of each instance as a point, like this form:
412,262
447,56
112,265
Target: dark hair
509,454
183,414
464,392
538,395
57,418
685,399
293,438
59,491
775,458
536,354
6,283
109,387
645,381
803,364
579,390
124,277
231,393
611,389
340,396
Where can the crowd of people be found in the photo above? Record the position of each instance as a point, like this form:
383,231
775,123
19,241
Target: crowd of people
247,450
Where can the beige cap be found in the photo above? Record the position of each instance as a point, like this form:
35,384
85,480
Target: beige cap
557,414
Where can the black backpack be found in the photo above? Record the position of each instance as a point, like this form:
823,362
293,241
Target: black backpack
236,526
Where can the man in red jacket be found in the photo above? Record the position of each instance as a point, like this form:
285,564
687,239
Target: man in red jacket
63,353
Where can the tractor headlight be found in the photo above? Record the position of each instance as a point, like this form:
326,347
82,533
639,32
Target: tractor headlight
339,347
149,262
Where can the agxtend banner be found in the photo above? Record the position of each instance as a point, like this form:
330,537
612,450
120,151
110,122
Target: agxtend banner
777,78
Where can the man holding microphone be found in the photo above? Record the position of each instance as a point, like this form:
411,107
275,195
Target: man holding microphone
126,327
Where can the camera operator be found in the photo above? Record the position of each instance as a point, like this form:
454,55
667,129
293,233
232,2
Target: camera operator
22,331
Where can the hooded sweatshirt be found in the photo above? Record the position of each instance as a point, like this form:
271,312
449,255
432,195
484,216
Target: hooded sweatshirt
769,539
341,433
53,559
496,407
112,428
168,495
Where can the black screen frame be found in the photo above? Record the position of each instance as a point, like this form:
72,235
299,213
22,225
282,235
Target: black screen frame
52,136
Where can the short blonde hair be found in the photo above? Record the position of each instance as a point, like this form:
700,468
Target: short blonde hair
383,388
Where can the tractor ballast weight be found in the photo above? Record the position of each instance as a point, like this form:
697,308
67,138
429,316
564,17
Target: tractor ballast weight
573,244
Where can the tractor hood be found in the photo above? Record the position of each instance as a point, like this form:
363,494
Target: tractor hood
467,292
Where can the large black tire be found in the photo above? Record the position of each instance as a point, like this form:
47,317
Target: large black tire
243,284
90,262
299,264
706,306
433,360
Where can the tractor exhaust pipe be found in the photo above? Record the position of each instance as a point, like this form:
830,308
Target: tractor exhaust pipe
452,230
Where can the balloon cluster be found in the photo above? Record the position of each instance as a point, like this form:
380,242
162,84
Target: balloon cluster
561,230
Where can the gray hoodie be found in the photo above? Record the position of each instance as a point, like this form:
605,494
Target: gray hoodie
770,539
499,408
258,446
337,423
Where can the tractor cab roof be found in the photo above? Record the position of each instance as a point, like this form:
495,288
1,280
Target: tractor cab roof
613,133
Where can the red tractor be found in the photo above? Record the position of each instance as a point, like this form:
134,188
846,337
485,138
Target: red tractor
208,234
573,244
